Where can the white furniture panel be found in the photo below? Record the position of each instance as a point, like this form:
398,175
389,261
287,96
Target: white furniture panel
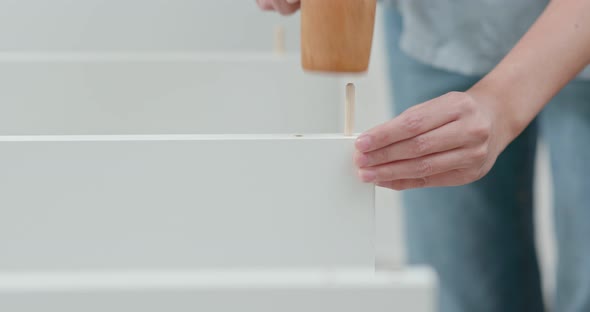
389,242
43,94
182,202
140,25
238,291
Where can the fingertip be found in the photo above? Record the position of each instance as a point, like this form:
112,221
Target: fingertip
367,176
265,5
289,11
363,143
285,7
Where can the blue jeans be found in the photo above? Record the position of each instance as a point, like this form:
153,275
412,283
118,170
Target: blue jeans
480,237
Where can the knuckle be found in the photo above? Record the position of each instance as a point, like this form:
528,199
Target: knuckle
479,155
481,130
412,123
382,134
377,157
414,109
385,173
468,107
465,102
390,174
424,168
421,145
456,96
381,155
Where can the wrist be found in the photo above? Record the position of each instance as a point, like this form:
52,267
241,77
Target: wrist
501,106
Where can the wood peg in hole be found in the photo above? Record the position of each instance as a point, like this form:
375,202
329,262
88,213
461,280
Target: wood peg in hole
349,109
279,40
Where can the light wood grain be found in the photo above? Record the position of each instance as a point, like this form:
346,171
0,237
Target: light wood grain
279,40
349,109
337,35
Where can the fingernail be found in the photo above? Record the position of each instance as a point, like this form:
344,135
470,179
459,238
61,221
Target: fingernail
362,160
367,175
363,143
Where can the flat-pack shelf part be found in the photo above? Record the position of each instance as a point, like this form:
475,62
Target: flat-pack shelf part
163,93
183,202
220,291
146,25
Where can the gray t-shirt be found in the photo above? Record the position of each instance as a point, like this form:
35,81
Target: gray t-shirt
466,36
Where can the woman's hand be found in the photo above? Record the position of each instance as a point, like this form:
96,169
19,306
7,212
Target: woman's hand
456,138
285,7
448,141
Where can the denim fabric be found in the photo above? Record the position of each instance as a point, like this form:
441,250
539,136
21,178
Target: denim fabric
565,125
480,237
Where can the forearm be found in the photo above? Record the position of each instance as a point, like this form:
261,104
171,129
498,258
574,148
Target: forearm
553,52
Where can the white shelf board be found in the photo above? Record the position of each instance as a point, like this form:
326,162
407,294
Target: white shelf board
163,93
141,25
220,291
183,202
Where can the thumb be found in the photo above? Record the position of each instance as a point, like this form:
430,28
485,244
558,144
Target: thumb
265,4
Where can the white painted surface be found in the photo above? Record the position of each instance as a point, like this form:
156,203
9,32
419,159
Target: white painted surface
161,89
163,93
157,93
219,291
182,202
389,244
153,87
140,25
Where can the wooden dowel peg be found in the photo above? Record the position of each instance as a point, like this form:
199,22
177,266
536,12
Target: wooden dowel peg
349,109
279,40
